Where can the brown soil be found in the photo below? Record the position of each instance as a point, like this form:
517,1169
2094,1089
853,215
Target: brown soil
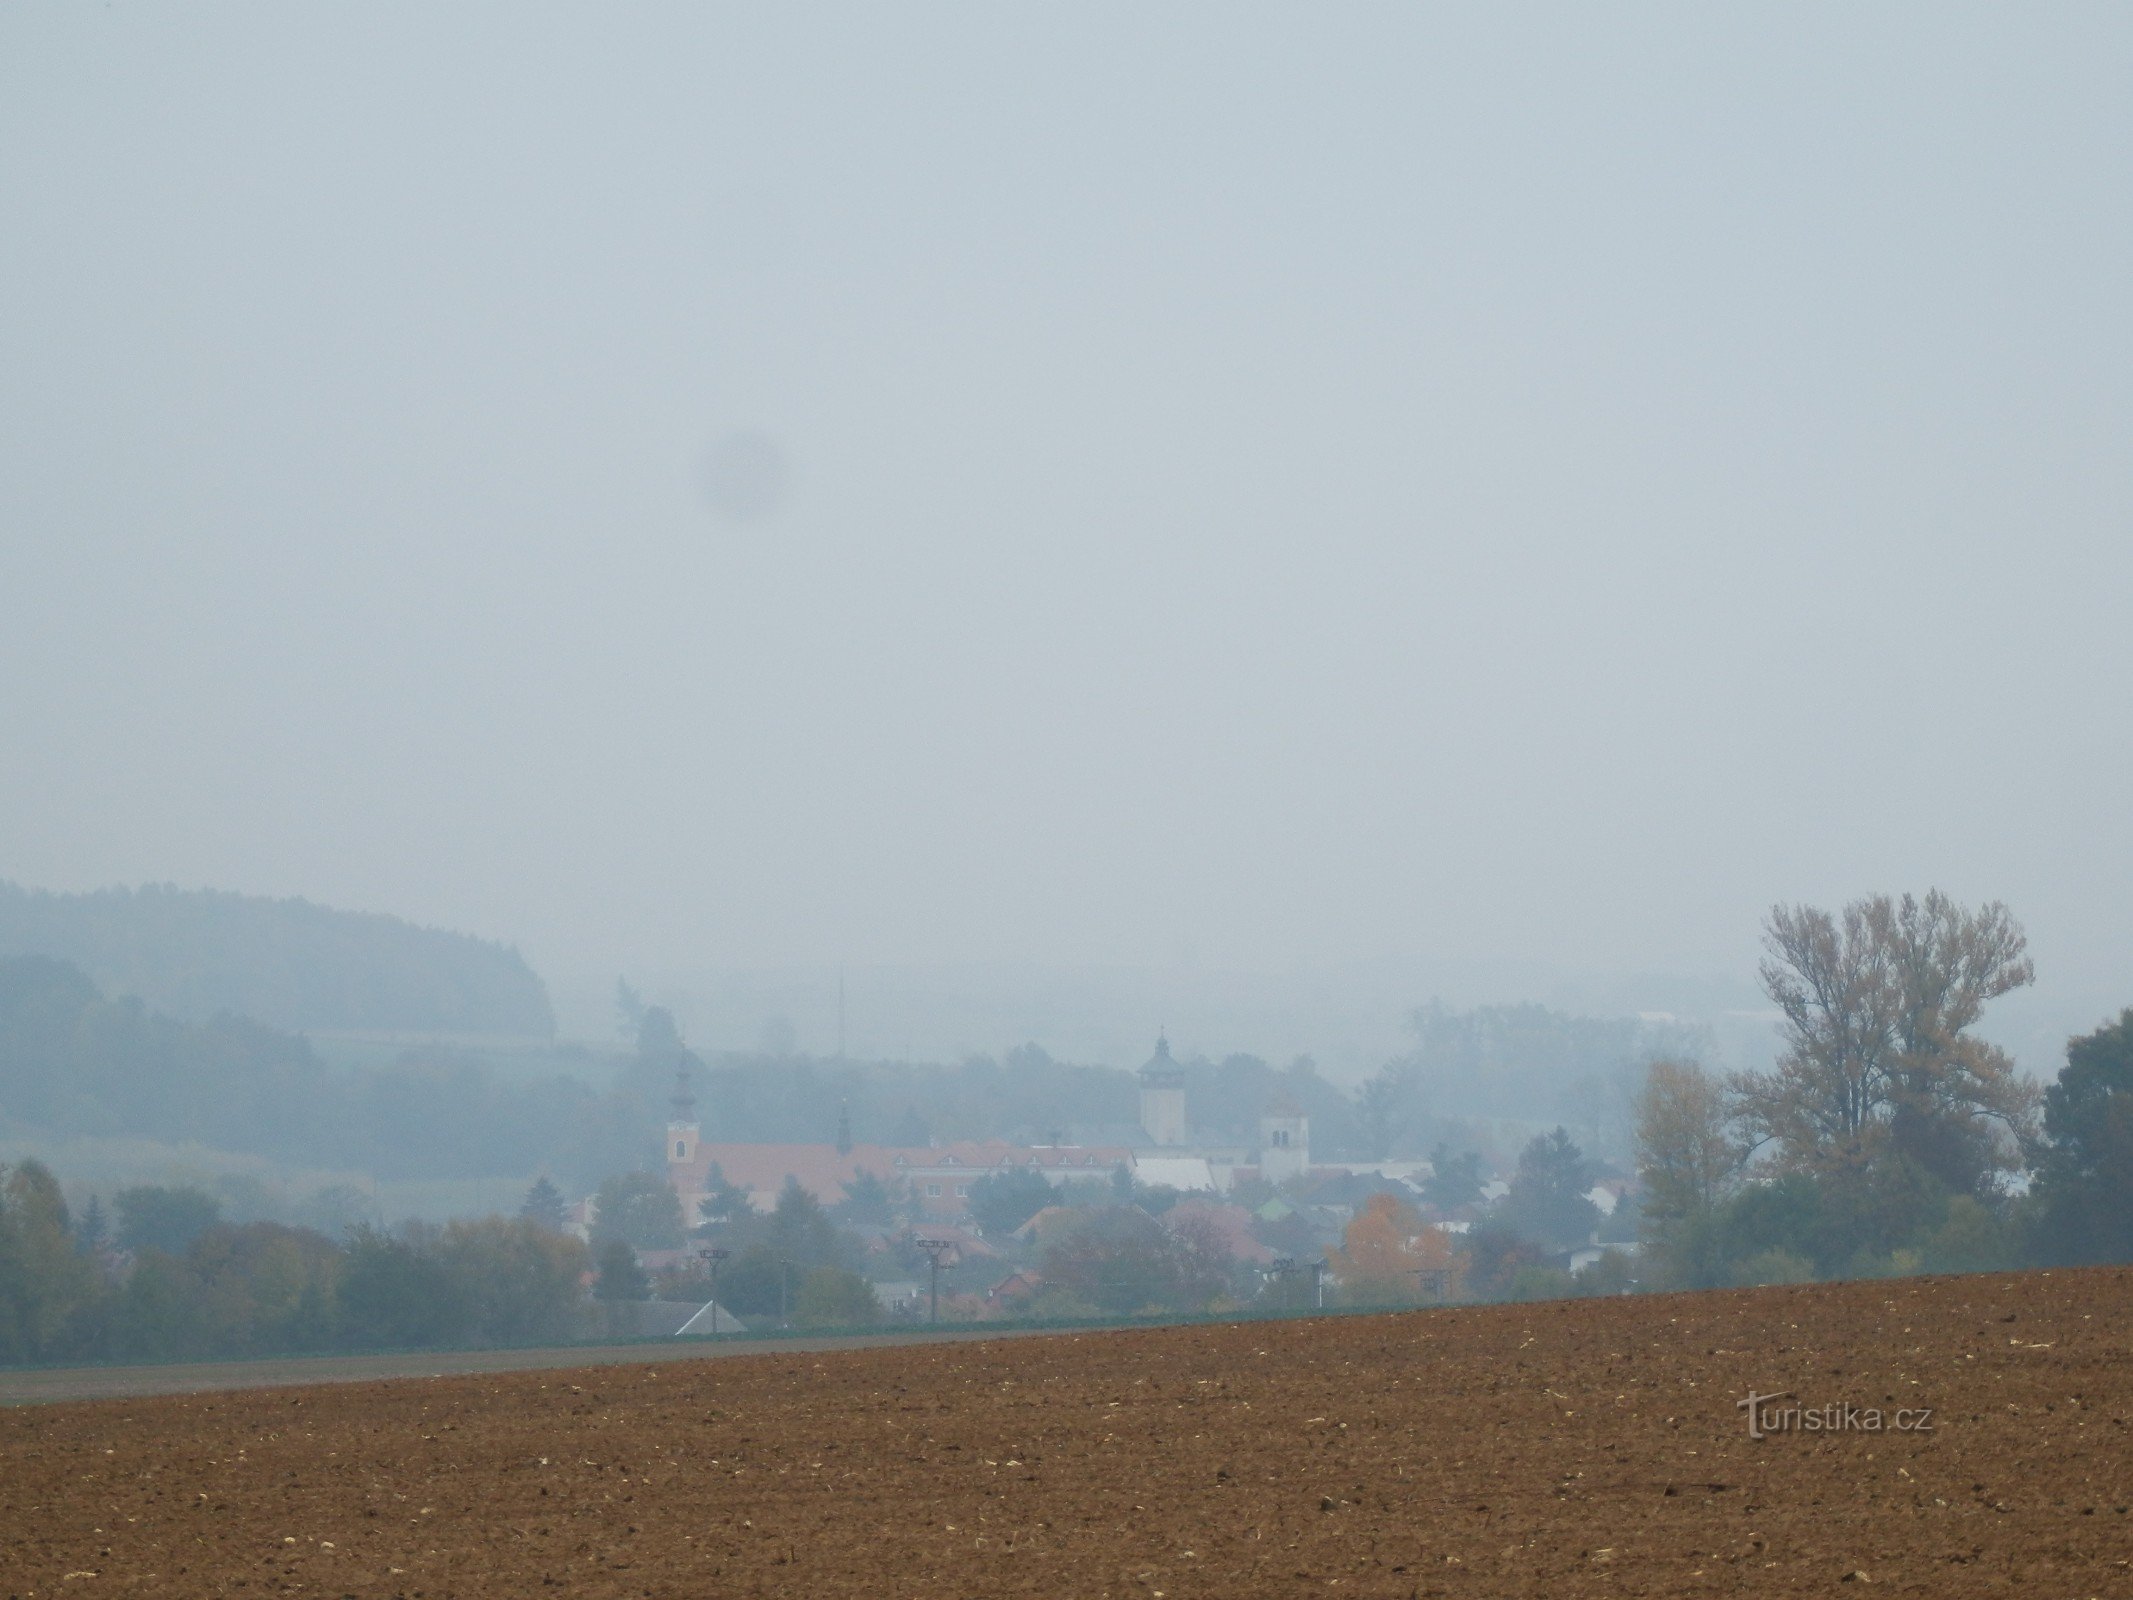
1572,1448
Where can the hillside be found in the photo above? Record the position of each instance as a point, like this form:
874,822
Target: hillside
1588,1447
195,952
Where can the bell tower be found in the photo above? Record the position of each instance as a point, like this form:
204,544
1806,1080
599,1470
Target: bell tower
1284,1140
1163,1096
683,1133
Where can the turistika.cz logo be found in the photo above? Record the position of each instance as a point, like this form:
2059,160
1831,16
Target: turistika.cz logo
1766,1417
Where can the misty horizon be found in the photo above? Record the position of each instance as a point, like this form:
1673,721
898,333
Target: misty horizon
1297,496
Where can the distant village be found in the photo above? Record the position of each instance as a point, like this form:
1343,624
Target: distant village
984,1229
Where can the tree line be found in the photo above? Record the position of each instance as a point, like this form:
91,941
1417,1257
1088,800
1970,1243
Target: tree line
168,1279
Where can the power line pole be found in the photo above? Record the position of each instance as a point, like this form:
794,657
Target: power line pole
713,1255
935,1249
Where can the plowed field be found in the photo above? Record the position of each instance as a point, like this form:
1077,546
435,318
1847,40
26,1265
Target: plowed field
1572,1448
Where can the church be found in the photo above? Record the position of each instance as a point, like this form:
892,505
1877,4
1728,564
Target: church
1283,1151
939,1176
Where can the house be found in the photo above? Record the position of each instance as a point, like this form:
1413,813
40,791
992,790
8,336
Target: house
1016,1286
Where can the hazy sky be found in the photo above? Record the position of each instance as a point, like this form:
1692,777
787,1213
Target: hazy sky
691,485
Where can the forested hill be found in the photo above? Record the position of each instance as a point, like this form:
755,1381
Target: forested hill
288,963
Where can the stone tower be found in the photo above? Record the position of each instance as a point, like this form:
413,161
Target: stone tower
1284,1140
1163,1097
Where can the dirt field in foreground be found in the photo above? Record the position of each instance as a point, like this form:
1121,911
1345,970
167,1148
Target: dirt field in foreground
1573,1448
22,1386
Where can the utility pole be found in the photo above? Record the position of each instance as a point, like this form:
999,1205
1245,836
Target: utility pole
935,1249
784,1288
712,1255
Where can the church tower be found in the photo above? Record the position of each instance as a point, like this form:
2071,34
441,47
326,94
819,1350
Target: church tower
683,1133
1284,1140
1163,1096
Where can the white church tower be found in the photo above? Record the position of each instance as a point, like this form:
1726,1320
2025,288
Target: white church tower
1163,1096
1284,1140
683,1132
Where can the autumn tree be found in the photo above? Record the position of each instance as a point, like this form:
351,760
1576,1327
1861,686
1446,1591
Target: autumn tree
1383,1250
1687,1159
1877,1003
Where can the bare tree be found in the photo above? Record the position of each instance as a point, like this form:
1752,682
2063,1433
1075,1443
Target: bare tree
1959,1107
1876,1005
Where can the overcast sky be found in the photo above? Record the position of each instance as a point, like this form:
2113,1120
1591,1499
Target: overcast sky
697,486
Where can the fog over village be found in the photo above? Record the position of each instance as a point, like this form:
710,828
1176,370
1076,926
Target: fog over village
718,670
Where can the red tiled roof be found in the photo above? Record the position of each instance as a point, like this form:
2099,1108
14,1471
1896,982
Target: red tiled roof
825,1172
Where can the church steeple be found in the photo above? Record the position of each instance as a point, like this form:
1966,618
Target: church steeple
682,1130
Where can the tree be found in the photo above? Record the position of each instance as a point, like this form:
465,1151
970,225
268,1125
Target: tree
1494,1258
866,1200
1952,1093
629,1009
1454,1180
1547,1200
394,1296
543,1205
152,1217
1686,1160
830,1297
158,1314
639,1208
722,1201
800,1230
754,1282
621,1278
518,1279
658,1036
94,1229
1001,1202
262,1288
2084,1194
1120,1259
1383,1250
1877,1003
1377,1110
44,1281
